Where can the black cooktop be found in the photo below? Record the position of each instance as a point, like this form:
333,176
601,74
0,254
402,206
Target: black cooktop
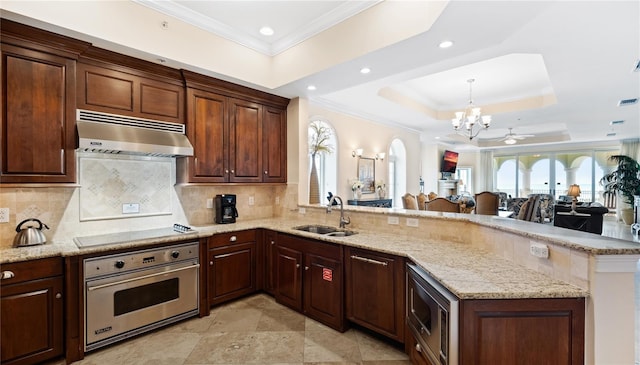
123,237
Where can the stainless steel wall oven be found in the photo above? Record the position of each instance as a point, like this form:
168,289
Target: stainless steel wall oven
129,293
432,317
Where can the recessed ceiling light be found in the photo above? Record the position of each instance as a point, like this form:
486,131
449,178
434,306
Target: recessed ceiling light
627,102
611,134
266,30
365,70
616,122
445,44
311,87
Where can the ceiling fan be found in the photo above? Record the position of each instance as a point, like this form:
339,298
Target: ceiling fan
512,138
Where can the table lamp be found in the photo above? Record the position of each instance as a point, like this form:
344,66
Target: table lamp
574,192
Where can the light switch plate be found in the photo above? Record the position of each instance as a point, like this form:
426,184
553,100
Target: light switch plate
210,203
252,200
4,215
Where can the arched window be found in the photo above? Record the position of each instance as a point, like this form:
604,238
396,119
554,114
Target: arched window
326,162
397,172
506,179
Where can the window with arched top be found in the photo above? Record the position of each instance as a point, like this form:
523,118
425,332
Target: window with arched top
397,171
323,159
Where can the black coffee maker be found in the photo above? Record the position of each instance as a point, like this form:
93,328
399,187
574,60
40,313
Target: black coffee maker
225,206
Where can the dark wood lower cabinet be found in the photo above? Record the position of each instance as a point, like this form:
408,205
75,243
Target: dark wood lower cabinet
522,331
309,279
232,266
270,255
31,312
375,291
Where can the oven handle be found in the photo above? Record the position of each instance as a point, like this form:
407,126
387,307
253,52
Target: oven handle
91,288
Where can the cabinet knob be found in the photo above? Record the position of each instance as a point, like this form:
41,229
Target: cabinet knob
58,296
273,242
297,266
233,239
210,263
266,172
226,171
306,268
418,348
7,275
233,171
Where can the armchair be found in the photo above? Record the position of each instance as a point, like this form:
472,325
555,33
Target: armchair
409,201
442,205
487,203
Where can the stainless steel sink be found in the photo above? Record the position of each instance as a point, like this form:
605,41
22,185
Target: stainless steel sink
325,230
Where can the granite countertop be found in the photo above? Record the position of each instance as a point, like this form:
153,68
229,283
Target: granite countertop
468,272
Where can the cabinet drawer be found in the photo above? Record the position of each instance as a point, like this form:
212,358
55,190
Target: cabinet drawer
30,270
225,239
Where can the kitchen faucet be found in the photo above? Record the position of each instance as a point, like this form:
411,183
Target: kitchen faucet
343,221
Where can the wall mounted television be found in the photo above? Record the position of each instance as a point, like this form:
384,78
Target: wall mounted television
449,162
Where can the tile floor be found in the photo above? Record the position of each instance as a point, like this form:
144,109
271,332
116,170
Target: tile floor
253,330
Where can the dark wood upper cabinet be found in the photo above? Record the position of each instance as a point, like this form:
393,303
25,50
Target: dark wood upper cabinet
207,127
245,137
38,97
274,145
239,134
113,83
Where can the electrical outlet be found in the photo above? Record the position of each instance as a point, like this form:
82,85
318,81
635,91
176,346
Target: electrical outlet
4,215
539,250
210,203
393,220
252,200
277,200
302,211
412,222
130,208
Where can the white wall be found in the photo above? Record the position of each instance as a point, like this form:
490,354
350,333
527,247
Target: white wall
353,132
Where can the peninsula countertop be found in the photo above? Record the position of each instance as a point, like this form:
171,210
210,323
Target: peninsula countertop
468,272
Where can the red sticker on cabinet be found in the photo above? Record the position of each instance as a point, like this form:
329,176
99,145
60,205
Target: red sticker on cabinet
327,274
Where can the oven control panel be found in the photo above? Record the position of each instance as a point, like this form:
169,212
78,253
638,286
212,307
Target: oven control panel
134,260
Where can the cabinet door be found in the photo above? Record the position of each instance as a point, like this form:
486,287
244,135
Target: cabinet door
207,128
270,264
231,272
31,317
106,90
38,118
522,331
375,291
323,290
245,141
289,277
274,145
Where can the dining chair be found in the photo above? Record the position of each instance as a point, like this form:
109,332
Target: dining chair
409,201
422,199
487,203
442,205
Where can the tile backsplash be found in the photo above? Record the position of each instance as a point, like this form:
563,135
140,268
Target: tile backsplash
61,208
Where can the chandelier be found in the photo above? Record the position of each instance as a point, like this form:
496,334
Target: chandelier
470,117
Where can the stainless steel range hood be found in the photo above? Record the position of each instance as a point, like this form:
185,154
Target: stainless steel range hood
110,133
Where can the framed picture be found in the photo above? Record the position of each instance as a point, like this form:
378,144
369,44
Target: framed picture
367,174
